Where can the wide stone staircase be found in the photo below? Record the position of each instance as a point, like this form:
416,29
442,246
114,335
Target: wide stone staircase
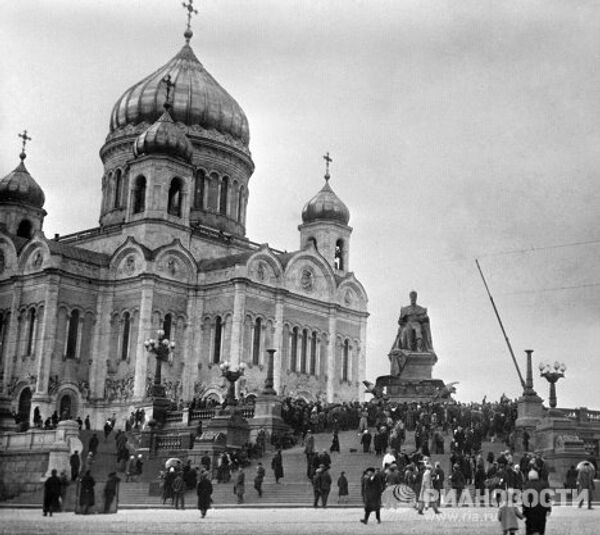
294,489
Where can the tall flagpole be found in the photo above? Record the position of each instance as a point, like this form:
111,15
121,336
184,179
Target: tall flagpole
512,354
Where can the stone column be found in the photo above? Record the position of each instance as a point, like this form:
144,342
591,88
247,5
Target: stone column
144,332
239,303
362,358
331,355
48,337
13,334
192,339
100,343
278,343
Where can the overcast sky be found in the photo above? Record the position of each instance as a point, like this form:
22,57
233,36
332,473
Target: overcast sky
458,129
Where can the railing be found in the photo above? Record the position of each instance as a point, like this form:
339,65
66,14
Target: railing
174,416
168,442
201,414
248,412
34,439
582,414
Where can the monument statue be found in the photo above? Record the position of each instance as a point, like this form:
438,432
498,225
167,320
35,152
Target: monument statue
414,333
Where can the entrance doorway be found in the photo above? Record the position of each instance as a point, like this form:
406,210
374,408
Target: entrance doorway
24,411
65,407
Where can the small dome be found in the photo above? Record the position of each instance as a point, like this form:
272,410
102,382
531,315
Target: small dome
198,100
164,137
325,206
20,187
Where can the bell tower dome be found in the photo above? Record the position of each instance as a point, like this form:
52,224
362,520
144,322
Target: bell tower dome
21,199
325,223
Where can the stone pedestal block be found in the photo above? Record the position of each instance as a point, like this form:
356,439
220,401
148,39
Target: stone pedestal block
530,413
267,416
67,440
557,439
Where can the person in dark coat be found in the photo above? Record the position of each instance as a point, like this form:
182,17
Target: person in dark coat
52,488
87,423
535,510
458,481
371,488
571,478
75,463
86,492
239,487
168,485
258,479
335,443
342,484
324,484
179,490
277,466
110,490
204,491
93,445
365,440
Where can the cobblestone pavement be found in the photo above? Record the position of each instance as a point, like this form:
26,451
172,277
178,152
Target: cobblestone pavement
563,521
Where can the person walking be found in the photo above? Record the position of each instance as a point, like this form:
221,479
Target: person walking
371,489
316,483
342,484
110,490
239,486
277,466
309,451
52,488
365,440
258,479
324,484
87,423
86,492
535,510
179,490
335,443
428,496
204,492
585,481
93,444
131,469
75,463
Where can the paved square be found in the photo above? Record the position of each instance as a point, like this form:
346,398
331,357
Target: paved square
563,521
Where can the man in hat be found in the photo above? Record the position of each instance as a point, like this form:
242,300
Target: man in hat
585,481
110,490
428,494
371,490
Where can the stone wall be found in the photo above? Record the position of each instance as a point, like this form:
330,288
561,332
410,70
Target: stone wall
22,471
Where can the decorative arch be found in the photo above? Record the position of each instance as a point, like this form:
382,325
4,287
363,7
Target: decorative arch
128,260
175,261
264,266
35,256
308,273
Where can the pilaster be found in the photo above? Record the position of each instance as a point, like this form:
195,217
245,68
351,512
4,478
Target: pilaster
278,343
144,332
100,343
239,303
48,335
331,347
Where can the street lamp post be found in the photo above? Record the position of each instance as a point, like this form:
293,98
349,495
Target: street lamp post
552,373
232,374
161,348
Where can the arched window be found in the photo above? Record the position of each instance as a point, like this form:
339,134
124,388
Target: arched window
339,255
304,350
218,336
223,196
72,333
294,352
313,353
345,358
174,206
240,208
139,195
199,190
167,324
31,332
125,336
313,240
25,229
4,322
256,341
118,187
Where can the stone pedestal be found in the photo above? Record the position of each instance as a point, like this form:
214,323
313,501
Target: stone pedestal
411,364
231,424
267,415
160,406
530,412
67,440
557,439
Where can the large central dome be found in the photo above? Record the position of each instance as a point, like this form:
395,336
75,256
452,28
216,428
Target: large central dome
197,100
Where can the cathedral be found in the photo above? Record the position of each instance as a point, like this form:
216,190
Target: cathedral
171,253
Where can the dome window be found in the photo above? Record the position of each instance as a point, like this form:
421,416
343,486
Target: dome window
223,196
199,190
118,187
174,205
25,229
339,255
139,195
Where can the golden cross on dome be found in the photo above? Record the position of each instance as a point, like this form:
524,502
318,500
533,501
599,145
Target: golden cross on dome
169,85
25,139
328,160
189,7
